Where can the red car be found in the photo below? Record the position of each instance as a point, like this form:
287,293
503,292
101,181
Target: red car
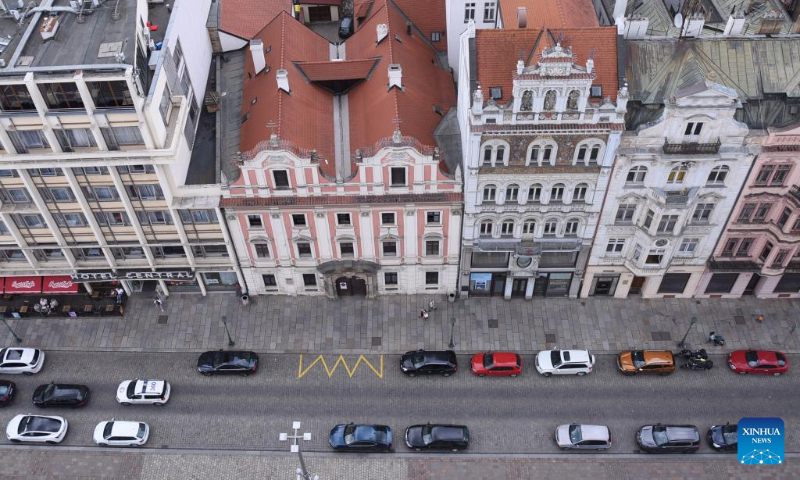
761,362
497,364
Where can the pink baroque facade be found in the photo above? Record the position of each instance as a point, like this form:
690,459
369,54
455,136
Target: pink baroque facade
389,224
759,250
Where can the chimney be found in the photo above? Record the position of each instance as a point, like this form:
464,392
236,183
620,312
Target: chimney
383,30
622,98
619,9
522,17
257,51
735,24
395,76
477,101
771,23
693,26
282,77
589,65
520,67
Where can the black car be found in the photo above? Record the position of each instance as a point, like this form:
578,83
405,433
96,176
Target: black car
668,438
437,437
60,395
346,27
430,362
361,438
6,392
222,362
723,438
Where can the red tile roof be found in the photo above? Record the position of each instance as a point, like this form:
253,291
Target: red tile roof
362,8
499,50
428,16
549,13
245,18
439,197
333,70
337,3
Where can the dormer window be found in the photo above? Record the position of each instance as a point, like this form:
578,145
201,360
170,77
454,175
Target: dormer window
596,91
693,129
495,93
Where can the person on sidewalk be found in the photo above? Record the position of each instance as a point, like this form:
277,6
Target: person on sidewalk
159,303
120,293
423,314
711,337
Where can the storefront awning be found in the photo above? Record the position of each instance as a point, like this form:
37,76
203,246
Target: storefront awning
59,284
23,284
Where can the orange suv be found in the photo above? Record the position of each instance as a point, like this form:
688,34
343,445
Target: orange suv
632,362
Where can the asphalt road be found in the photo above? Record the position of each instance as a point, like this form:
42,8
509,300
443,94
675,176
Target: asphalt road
505,415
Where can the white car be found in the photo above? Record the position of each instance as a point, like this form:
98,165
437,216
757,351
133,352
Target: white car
36,428
21,360
564,362
118,433
143,392
583,437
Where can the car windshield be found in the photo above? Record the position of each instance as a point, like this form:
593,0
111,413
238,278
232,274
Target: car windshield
418,359
638,358
131,389
49,391
575,434
555,357
781,359
427,434
3,389
39,424
488,360
660,435
35,357
107,430
142,429
751,356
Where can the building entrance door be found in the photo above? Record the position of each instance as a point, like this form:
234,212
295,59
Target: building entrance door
605,286
636,286
498,284
518,287
349,286
540,287
750,289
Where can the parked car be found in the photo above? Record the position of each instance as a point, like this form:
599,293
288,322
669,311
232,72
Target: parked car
583,437
758,362
60,395
564,362
429,362
437,437
633,362
21,360
36,429
497,364
118,433
660,438
7,388
222,362
143,392
361,438
346,27
724,438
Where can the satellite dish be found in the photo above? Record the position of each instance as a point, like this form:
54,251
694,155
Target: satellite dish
678,20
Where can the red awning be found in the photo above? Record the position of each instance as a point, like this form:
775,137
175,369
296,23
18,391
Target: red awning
60,284
2,284
23,284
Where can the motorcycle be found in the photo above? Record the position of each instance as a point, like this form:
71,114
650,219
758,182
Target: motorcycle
694,355
698,365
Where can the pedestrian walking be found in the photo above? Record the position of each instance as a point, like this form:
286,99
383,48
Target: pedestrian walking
120,293
159,303
760,319
710,338
423,314
431,306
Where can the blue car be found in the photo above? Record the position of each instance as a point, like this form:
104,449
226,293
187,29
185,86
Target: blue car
361,438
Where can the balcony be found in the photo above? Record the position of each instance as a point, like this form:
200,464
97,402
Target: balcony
691,147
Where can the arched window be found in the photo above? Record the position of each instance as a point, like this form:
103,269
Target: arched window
529,227
588,152
594,154
718,175
512,193
557,193
507,228
582,153
571,227
489,193
572,100
534,156
548,155
677,175
500,158
486,228
636,174
550,227
550,100
526,105
579,193
541,152
535,193
487,156
494,153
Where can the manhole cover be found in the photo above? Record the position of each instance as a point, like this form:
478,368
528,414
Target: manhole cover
739,319
660,336
376,341
162,319
550,337
493,323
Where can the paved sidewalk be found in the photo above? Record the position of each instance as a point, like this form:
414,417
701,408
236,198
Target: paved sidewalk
392,324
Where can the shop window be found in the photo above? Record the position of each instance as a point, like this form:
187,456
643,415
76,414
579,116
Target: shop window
220,279
558,259
789,283
674,282
490,260
721,283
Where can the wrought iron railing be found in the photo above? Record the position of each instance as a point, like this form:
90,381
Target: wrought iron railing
691,147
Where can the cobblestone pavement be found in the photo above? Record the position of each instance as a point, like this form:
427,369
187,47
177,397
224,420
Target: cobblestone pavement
166,465
392,324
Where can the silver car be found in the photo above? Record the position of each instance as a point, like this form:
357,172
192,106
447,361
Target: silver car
583,437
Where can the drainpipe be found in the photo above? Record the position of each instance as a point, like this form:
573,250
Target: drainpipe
602,209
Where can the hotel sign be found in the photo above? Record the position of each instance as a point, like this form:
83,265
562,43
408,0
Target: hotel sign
107,276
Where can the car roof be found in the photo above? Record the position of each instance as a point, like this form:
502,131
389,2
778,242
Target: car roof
149,386
448,432
504,358
576,356
681,432
658,356
124,428
438,356
594,432
19,354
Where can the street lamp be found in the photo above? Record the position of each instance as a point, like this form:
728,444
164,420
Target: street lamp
16,337
452,326
224,321
682,343
302,472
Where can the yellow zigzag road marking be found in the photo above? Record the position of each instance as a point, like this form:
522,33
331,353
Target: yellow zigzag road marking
330,371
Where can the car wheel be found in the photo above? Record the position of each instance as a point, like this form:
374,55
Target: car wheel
127,404
244,374
547,374
159,404
27,373
411,374
445,374
14,440
580,374
513,375
481,374
207,374
418,449
742,373
776,374
663,374
50,442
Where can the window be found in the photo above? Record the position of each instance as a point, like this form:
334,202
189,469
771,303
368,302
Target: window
269,280
548,153
676,175
261,249
787,212
110,94
571,228
500,158
550,228
347,249
512,192
654,257
777,262
488,12
387,218
198,216
15,97
729,247
121,136
398,175
780,175
534,156
58,194
389,249
762,211
390,278
281,178
648,219
693,129
134,169
432,248
582,153
744,247
433,218
747,212
596,91
535,193
636,174
146,192
489,193
255,221
688,246
625,213
766,251
469,12
112,219
299,220
309,279
667,224
637,252
343,220
177,56
60,96
579,193
507,228
30,220
75,138
436,36
615,246
156,217
431,278
702,213
303,249
487,156
486,228
18,195
796,226
594,154
25,140
557,193
3,229
718,175
165,106
764,174
529,227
